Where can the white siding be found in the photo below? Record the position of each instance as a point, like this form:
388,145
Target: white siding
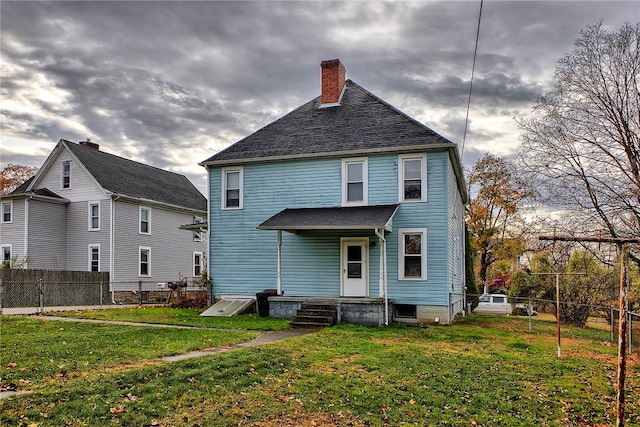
171,249
47,235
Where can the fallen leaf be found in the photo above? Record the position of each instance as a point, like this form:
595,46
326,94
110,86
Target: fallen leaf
118,409
12,365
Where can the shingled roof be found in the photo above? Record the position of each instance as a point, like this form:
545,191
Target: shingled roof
137,180
362,123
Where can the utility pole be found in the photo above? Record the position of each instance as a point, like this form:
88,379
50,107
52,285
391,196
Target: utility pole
624,302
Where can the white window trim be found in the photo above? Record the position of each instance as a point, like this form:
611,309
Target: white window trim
193,261
423,259
423,177
94,246
365,181
2,260
140,209
2,205
90,204
62,187
140,249
223,188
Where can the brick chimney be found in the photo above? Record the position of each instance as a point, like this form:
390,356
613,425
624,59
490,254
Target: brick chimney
333,78
90,144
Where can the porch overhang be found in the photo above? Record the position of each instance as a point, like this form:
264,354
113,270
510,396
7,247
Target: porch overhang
332,218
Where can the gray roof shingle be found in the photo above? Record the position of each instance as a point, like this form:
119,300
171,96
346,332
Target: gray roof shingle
345,218
128,178
362,123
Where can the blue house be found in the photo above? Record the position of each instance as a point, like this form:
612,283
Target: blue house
346,201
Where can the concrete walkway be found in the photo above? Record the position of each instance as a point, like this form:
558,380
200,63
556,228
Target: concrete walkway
263,338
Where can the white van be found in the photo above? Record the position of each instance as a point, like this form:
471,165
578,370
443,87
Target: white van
494,304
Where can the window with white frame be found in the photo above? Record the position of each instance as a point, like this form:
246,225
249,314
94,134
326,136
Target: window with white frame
355,181
412,174
412,254
66,174
144,261
94,257
232,188
196,234
94,216
7,211
197,264
145,220
6,255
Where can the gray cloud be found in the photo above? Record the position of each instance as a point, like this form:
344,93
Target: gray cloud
170,83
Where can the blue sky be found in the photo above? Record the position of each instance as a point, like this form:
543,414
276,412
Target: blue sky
171,83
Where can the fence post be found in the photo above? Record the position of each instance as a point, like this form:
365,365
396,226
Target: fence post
613,326
630,333
140,291
1,289
101,307
41,296
530,314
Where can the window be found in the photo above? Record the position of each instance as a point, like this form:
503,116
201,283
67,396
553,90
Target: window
412,254
6,256
232,181
66,174
196,234
145,220
197,264
94,216
7,209
144,262
355,181
94,257
406,311
412,183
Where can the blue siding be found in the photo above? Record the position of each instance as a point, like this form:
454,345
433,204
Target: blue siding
244,259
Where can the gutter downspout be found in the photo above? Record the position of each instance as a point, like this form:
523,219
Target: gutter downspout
279,276
26,230
112,201
383,273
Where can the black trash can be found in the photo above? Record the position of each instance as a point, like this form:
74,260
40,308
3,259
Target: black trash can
263,304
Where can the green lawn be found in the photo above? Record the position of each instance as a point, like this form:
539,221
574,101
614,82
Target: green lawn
180,316
468,374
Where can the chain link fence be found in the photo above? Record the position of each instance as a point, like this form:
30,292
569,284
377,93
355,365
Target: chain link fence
541,316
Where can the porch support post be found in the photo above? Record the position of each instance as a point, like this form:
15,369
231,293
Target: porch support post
279,277
383,272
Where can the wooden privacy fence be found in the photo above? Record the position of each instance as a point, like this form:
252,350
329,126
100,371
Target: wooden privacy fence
51,288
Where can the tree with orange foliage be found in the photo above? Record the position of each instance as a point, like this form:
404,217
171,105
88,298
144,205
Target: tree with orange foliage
12,176
493,214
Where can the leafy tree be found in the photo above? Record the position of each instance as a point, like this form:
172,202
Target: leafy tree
471,289
12,176
498,197
581,147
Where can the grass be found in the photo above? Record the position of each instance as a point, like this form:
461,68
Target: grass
182,317
469,374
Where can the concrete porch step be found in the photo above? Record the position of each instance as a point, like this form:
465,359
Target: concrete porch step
315,315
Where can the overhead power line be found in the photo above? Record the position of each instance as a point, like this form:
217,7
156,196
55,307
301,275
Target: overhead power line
473,70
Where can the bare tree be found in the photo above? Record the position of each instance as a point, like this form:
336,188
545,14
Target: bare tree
580,146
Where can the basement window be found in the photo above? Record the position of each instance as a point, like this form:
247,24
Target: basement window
404,311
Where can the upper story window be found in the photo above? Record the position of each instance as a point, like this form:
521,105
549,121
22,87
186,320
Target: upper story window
196,234
232,191
412,182
94,216
66,174
355,181
7,211
94,257
145,221
412,254
6,255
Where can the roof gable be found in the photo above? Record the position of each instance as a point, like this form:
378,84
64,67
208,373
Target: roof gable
361,123
129,178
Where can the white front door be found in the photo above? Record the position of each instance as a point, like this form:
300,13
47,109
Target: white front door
354,266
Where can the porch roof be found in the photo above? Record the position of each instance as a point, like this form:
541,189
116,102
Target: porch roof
333,218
